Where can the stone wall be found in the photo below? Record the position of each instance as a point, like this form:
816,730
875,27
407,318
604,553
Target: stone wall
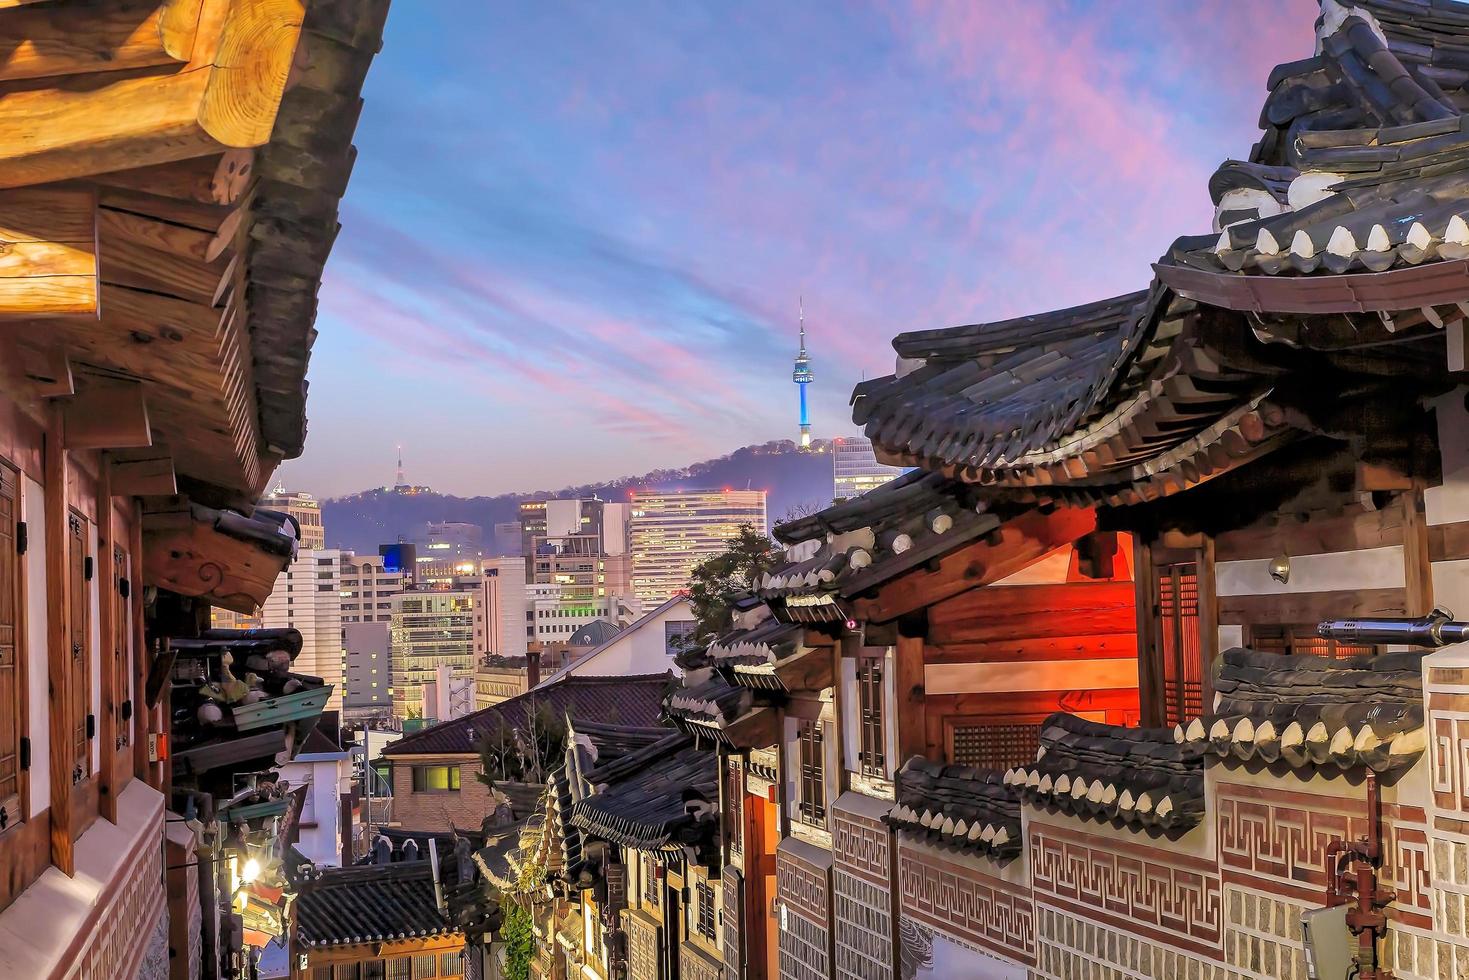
861,888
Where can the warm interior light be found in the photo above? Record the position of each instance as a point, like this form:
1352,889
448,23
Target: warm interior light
251,871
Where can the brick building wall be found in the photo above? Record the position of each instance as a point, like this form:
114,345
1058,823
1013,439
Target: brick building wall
435,810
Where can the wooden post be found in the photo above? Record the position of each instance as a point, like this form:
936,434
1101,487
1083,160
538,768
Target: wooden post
58,660
1208,624
108,782
850,645
142,715
908,689
1149,650
782,796
1417,565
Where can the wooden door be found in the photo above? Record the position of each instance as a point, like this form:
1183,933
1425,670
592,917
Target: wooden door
78,636
12,691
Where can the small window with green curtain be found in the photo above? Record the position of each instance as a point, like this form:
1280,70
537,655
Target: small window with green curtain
435,779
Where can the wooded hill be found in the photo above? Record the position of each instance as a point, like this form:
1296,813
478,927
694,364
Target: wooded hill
795,481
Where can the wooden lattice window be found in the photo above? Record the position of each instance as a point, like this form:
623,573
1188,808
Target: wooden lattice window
650,880
323,973
809,743
374,970
1300,639
704,924
11,691
451,965
995,743
400,968
872,741
1177,586
79,631
734,802
425,965
349,971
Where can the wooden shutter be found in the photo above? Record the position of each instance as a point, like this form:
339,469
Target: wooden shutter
81,674
813,773
872,757
1177,589
10,686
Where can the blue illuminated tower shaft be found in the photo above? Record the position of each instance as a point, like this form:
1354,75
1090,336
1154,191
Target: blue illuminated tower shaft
802,376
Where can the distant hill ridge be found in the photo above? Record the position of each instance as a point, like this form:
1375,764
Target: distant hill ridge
795,481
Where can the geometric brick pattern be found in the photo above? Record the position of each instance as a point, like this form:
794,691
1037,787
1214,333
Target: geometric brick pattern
985,912
642,947
114,947
1171,898
860,844
803,891
1073,948
803,950
1274,841
863,923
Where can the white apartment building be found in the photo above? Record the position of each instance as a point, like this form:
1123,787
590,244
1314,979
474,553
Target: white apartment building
501,624
368,589
429,628
307,597
671,531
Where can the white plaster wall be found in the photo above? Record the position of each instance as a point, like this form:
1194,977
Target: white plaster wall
37,678
1369,568
1450,502
639,649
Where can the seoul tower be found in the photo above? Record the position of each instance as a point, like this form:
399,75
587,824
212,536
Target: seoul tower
802,377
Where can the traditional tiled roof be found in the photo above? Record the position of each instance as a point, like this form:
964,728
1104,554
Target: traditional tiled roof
1315,711
860,543
238,643
1368,137
634,700
1134,776
957,807
713,703
670,801
765,642
369,904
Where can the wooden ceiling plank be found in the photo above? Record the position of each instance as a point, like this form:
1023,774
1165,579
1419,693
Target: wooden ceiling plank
217,179
142,472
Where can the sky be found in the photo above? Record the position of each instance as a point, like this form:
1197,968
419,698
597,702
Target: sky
577,234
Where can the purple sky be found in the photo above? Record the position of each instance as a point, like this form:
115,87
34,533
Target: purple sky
576,233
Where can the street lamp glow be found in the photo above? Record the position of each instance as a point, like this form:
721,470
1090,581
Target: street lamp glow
251,871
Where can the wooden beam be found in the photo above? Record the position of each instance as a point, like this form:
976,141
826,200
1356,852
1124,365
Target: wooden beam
1380,476
58,661
1014,545
142,473
1417,560
77,39
1150,650
214,180
48,252
1208,605
109,785
107,416
1311,607
227,96
909,691
144,717
178,241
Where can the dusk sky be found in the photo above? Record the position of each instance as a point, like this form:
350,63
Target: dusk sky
576,233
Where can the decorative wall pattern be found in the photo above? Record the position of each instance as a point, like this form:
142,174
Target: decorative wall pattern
802,886
1069,947
155,955
136,909
734,914
803,949
863,924
1135,888
1274,841
642,947
860,844
985,911
1449,731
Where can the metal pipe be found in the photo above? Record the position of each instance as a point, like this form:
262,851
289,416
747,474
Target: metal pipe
1438,628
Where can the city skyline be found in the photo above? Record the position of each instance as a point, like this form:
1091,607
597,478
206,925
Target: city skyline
688,200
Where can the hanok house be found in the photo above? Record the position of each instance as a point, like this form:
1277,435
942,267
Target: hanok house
400,914
169,179
1269,436
436,772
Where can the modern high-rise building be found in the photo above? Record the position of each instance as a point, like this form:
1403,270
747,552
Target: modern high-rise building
429,628
507,541
454,539
305,508
802,376
855,469
307,596
671,531
368,648
502,624
367,589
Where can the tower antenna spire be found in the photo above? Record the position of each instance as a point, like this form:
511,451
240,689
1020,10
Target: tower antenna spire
802,375
399,482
